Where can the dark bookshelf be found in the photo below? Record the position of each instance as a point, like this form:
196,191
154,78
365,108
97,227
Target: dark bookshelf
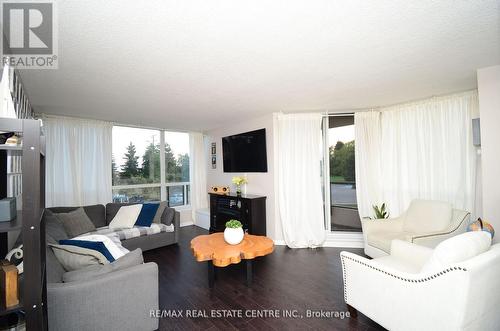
33,287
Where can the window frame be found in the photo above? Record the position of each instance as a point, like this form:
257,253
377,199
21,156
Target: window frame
163,185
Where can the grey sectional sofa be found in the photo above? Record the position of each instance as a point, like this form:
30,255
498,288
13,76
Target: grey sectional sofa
118,300
102,215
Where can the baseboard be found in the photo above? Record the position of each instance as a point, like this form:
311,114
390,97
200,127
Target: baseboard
334,240
187,223
344,239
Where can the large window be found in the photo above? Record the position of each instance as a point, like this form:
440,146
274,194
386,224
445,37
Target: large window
177,167
150,165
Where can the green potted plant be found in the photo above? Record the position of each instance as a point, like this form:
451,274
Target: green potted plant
233,234
380,212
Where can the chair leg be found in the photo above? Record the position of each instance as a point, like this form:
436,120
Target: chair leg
352,311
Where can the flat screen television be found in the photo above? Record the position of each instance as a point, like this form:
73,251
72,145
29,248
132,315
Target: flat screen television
245,152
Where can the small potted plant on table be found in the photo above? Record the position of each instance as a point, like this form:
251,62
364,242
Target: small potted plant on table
233,234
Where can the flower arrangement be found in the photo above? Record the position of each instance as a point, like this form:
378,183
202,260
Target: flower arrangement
238,181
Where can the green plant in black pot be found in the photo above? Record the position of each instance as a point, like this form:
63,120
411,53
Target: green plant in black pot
380,212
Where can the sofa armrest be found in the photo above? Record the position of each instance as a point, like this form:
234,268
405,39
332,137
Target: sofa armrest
457,225
120,300
386,225
407,251
397,300
172,216
177,225
389,225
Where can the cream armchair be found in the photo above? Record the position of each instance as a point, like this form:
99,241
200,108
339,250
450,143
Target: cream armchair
425,223
397,293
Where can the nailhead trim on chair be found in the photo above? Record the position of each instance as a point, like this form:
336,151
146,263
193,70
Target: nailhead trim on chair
345,278
422,280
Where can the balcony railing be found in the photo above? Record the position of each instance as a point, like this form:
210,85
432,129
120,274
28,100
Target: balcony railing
344,208
176,193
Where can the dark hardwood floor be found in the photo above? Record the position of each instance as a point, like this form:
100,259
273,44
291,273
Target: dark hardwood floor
288,279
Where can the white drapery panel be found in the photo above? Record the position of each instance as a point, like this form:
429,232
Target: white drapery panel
417,150
197,172
6,104
368,135
298,155
78,161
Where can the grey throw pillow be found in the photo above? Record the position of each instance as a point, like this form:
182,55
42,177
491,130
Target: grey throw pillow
76,222
91,272
159,212
54,227
75,258
168,216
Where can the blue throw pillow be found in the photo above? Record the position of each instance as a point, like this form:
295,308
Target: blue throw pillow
147,214
94,245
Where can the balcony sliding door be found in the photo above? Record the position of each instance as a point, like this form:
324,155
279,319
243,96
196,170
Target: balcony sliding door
339,174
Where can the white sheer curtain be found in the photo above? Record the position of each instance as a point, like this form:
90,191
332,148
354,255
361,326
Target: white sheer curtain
197,172
300,202
78,161
417,150
6,103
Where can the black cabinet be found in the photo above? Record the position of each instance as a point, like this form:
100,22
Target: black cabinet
250,210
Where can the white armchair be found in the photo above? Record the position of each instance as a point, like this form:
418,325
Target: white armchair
395,292
425,223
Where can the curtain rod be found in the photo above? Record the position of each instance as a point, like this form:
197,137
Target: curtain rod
352,111
39,115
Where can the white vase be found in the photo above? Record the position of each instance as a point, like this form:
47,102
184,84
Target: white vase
233,236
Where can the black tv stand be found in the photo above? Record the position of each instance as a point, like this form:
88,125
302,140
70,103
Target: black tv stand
250,210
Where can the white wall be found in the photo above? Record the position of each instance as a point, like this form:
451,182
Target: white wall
258,183
489,108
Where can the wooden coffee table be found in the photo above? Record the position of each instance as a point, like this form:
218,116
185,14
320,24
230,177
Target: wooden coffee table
217,253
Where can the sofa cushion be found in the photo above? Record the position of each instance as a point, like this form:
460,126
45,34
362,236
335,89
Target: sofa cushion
112,209
458,249
126,217
54,227
136,231
91,272
76,222
96,213
425,216
382,240
397,264
147,214
53,267
159,212
74,257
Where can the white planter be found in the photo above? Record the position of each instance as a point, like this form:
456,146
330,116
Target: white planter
233,236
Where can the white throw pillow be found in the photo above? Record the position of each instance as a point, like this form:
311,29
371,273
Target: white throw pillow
458,249
126,217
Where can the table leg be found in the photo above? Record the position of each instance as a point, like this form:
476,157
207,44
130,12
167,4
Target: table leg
249,272
211,274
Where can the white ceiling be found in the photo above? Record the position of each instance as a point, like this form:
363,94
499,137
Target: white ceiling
205,64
